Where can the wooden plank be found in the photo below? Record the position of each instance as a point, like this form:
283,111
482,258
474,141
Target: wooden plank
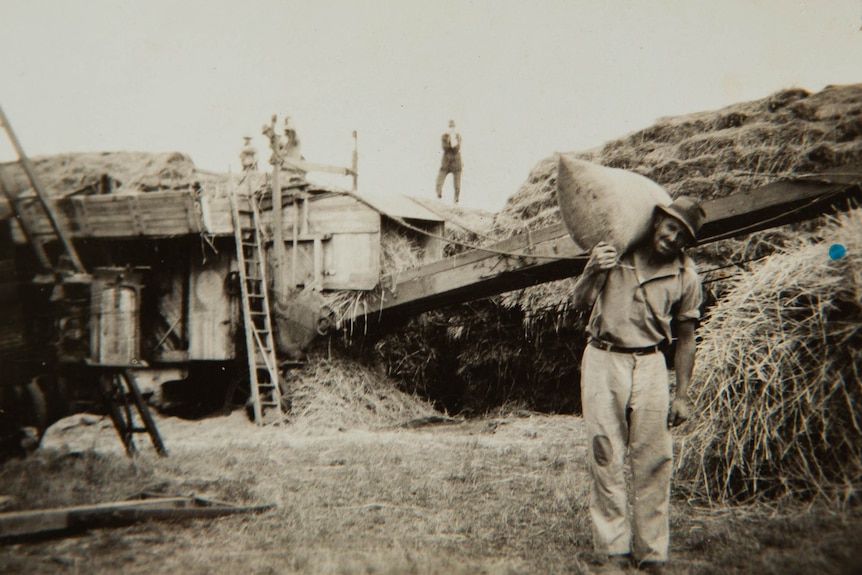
340,214
315,167
14,524
156,214
215,215
550,254
45,521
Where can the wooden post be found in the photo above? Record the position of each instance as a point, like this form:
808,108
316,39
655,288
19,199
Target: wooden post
278,247
295,252
354,165
41,195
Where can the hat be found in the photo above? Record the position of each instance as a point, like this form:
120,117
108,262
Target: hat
688,212
288,124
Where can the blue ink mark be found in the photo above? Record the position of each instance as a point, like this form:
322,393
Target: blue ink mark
837,251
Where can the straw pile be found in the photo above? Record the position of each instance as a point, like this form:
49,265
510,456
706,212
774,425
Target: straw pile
778,382
335,393
709,155
61,174
714,154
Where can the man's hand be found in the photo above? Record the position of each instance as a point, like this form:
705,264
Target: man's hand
603,257
680,411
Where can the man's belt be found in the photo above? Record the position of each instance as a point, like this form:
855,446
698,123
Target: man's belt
603,345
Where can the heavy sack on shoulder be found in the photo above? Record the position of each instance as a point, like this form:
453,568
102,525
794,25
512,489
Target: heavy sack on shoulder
598,203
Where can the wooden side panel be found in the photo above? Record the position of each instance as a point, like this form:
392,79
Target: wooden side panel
348,262
347,233
303,261
334,215
352,262
161,214
215,213
155,214
111,216
211,309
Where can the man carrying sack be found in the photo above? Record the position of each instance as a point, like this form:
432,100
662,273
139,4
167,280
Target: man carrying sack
634,297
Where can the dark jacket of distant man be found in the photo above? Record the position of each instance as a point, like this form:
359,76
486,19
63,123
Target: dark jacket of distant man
451,163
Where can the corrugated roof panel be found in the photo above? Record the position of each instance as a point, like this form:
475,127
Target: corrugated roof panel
400,207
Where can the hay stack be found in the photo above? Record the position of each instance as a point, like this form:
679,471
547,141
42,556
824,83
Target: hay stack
778,381
61,174
132,172
713,154
334,393
717,153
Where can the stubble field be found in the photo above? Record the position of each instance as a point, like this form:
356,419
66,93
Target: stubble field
494,495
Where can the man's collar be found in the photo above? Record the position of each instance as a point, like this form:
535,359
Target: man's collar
670,268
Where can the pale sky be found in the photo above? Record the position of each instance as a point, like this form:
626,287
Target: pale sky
521,79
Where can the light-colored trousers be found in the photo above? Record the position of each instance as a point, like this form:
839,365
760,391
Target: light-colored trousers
625,403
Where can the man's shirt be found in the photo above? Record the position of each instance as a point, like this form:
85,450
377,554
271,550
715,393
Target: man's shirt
636,311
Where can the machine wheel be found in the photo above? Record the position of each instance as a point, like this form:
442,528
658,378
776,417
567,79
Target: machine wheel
325,322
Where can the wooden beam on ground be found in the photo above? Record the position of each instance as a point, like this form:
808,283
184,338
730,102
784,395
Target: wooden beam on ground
19,524
550,254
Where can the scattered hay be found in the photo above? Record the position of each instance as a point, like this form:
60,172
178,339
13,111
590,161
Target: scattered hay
398,253
333,393
778,382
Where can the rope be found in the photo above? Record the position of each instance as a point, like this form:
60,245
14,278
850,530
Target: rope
743,229
728,234
400,221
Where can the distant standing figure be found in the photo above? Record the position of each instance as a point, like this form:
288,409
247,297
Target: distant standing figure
291,149
248,156
451,141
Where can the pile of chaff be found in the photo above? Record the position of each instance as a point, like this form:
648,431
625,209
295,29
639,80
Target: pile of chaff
332,392
778,380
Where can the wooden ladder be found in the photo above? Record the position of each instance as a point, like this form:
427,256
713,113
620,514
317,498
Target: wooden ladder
68,257
123,398
257,319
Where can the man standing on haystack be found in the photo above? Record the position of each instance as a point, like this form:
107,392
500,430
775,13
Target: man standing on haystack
451,141
634,297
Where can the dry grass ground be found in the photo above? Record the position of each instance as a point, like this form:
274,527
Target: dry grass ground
496,495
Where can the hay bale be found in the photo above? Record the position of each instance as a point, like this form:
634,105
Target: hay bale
778,382
605,204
